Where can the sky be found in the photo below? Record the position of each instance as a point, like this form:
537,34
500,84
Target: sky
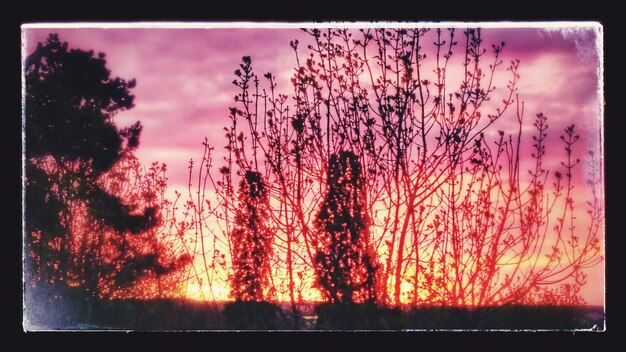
184,84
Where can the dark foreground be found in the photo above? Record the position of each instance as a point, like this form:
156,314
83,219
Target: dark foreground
178,315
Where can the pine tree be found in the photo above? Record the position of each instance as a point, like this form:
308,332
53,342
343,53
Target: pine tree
252,240
344,263
79,234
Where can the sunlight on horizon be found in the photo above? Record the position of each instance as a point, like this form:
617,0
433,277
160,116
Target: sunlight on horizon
191,101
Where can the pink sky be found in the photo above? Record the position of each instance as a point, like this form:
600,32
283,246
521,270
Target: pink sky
184,84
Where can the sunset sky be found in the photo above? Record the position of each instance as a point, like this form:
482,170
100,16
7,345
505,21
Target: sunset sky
184,85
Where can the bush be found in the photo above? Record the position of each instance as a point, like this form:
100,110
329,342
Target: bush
243,315
504,317
351,316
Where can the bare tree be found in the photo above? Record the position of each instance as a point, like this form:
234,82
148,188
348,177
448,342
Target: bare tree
453,218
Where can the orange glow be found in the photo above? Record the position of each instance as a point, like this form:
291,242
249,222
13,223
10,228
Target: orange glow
206,293
219,290
466,227
202,217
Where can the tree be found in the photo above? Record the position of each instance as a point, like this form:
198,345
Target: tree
452,216
444,200
81,231
345,263
251,241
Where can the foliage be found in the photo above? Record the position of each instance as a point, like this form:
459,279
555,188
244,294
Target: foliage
250,315
252,241
446,215
345,262
380,180
523,317
91,211
365,316
454,220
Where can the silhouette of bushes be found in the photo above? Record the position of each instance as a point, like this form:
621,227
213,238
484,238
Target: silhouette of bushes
162,314
514,317
72,311
250,315
365,316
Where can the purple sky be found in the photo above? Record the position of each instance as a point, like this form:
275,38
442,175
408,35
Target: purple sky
184,80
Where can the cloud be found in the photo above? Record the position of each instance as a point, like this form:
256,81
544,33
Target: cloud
184,80
184,77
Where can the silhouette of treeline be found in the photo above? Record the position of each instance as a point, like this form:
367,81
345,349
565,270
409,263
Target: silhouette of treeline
375,182
181,314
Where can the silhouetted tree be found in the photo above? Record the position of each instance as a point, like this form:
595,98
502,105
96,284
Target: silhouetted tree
454,218
78,232
251,240
445,205
345,263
